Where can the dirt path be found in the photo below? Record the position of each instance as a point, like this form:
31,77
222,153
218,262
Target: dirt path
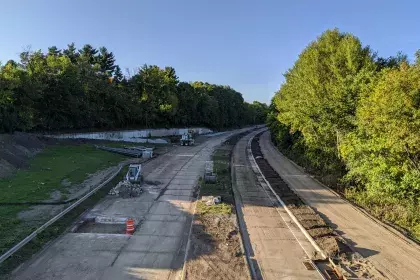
391,253
215,251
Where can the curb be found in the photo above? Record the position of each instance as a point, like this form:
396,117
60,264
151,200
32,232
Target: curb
239,218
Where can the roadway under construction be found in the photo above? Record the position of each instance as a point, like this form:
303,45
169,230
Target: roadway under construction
291,226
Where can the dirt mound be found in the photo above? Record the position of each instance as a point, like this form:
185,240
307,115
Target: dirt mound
215,251
15,150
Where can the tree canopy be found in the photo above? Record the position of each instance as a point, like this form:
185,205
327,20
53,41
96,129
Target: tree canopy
353,118
319,96
82,89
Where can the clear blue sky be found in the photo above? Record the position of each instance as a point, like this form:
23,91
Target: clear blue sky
245,44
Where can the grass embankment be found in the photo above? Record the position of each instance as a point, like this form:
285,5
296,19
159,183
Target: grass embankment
45,174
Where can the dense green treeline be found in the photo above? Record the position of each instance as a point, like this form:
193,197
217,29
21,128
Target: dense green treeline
83,89
354,117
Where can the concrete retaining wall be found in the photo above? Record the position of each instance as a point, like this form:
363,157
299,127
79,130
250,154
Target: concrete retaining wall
138,136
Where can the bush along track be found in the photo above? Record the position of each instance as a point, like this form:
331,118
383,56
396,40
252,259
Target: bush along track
349,263
215,250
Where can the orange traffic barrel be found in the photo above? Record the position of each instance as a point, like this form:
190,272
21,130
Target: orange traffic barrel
129,226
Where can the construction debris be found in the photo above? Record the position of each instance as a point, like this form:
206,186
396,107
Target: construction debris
126,189
211,200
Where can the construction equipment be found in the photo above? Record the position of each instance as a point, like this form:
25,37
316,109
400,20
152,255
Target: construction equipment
131,185
187,139
134,174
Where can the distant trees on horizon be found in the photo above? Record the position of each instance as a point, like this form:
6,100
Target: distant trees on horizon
74,89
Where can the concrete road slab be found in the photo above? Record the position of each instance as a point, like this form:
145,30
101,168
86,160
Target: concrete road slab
153,244
184,181
90,242
187,173
182,187
175,198
161,228
286,269
167,208
267,233
76,256
281,250
257,201
254,210
169,218
182,192
264,222
125,208
276,251
137,261
134,273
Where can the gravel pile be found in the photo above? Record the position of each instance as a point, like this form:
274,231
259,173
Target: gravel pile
125,189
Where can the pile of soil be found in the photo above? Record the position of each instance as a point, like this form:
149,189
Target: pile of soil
16,149
215,251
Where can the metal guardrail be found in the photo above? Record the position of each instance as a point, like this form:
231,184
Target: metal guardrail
122,151
27,239
136,152
57,217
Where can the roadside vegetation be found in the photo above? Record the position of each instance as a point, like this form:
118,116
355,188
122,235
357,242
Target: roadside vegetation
353,119
54,170
71,90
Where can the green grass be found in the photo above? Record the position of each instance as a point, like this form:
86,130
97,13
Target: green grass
222,187
47,170
43,176
221,208
51,232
